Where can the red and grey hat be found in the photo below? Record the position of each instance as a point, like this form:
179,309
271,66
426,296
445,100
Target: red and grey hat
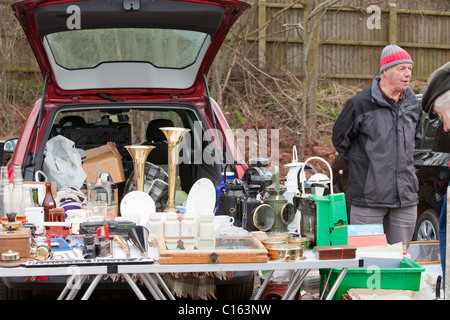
393,55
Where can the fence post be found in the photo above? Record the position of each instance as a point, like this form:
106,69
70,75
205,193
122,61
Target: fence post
393,23
261,33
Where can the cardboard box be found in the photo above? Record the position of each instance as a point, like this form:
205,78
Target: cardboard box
105,158
379,294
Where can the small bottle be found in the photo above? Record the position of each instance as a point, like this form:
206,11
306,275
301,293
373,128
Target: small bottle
5,192
34,197
17,193
155,225
171,225
48,202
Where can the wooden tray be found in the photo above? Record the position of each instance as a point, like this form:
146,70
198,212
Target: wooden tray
247,249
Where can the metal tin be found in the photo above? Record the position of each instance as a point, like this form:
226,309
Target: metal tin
10,256
285,252
303,241
272,241
42,252
279,235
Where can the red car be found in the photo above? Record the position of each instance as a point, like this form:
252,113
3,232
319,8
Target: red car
117,70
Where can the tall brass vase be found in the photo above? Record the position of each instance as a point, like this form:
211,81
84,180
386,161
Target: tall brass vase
139,155
174,137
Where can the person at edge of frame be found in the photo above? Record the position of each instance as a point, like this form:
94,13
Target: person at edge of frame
436,102
376,134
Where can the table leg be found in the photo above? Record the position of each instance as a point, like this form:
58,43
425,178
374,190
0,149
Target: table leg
67,287
336,284
152,286
294,284
164,286
72,287
92,287
325,284
291,283
264,285
134,287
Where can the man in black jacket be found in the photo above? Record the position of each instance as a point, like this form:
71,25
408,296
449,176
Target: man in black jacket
376,134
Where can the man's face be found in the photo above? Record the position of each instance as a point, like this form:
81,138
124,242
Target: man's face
399,76
443,112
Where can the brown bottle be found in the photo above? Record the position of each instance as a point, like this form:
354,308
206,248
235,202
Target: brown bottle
49,201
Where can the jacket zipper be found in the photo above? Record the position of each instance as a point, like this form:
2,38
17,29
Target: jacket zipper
395,111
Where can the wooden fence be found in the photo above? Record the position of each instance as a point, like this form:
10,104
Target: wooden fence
351,38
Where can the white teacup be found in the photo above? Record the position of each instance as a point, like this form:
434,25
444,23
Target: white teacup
222,222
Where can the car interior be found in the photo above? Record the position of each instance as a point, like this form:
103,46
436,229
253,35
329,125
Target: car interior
90,128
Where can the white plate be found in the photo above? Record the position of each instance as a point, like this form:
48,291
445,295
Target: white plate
201,198
137,206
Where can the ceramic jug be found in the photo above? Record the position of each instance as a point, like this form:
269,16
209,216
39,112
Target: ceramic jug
291,179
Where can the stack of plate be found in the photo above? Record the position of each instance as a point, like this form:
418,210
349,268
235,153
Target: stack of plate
201,199
137,207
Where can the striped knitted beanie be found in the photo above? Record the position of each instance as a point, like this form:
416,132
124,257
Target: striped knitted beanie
393,55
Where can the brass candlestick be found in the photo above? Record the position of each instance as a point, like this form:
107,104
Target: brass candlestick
174,137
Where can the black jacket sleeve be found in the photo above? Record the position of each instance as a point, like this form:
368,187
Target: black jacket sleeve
344,129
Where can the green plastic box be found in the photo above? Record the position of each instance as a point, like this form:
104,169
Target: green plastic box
406,277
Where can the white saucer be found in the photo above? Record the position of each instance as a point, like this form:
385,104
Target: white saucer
137,206
201,198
